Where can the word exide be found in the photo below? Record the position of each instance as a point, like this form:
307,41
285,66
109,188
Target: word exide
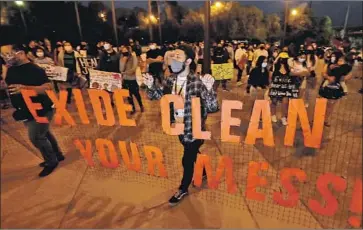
261,111
154,156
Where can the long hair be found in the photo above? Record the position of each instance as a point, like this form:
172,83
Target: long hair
279,63
260,61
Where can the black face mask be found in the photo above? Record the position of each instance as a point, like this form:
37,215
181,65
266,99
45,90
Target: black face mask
126,54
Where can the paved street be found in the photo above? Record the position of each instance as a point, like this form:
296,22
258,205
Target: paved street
79,196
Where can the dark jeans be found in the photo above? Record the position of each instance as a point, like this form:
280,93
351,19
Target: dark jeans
249,65
239,74
133,88
217,82
191,151
43,139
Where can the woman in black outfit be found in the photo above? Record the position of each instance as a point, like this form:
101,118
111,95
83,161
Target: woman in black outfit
331,88
259,75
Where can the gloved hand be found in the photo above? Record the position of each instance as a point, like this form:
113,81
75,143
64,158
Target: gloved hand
208,81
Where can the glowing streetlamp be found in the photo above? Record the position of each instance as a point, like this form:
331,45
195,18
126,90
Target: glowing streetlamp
294,12
102,15
218,4
153,19
19,3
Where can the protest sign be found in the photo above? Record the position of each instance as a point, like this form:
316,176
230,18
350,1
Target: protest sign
222,71
105,80
86,64
55,73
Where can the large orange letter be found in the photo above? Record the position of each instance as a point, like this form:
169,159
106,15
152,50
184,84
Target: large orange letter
60,105
228,121
253,180
100,145
331,204
297,108
80,106
356,205
225,165
157,160
261,106
165,113
95,96
197,123
285,177
86,151
123,108
33,107
136,165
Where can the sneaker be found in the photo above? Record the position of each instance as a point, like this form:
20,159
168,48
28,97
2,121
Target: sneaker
284,121
274,118
239,83
178,196
47,170
60,158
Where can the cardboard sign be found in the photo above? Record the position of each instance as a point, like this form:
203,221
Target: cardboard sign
222,71
105,80
55,73
86,64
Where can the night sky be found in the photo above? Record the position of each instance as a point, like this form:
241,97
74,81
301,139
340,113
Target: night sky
336,10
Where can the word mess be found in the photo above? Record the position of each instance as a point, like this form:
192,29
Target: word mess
261,110
289,177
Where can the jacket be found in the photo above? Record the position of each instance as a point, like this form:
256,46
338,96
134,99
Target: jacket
61,60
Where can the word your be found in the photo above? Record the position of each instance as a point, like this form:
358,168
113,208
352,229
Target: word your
288,176
261,110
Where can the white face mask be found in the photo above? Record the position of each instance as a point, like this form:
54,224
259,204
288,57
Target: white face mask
301,60
264,65
152,47
332,60
107,46
40,54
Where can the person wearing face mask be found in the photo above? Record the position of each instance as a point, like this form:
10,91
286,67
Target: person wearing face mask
109,59
300,71
128,66
40,57
241,58
259,76
68,59
24,75
220,56
250,54
261,51
283,87
155,61
135,47
331,87
185,83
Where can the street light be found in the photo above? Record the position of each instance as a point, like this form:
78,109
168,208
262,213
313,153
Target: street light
102,15
218,4
19,3
294,12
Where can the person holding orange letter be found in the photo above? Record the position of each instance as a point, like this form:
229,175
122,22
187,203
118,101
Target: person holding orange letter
185,83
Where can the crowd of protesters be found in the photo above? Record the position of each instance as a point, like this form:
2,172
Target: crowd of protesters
278,73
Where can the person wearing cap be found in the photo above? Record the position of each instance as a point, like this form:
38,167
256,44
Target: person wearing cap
24,75
185,83
109,59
